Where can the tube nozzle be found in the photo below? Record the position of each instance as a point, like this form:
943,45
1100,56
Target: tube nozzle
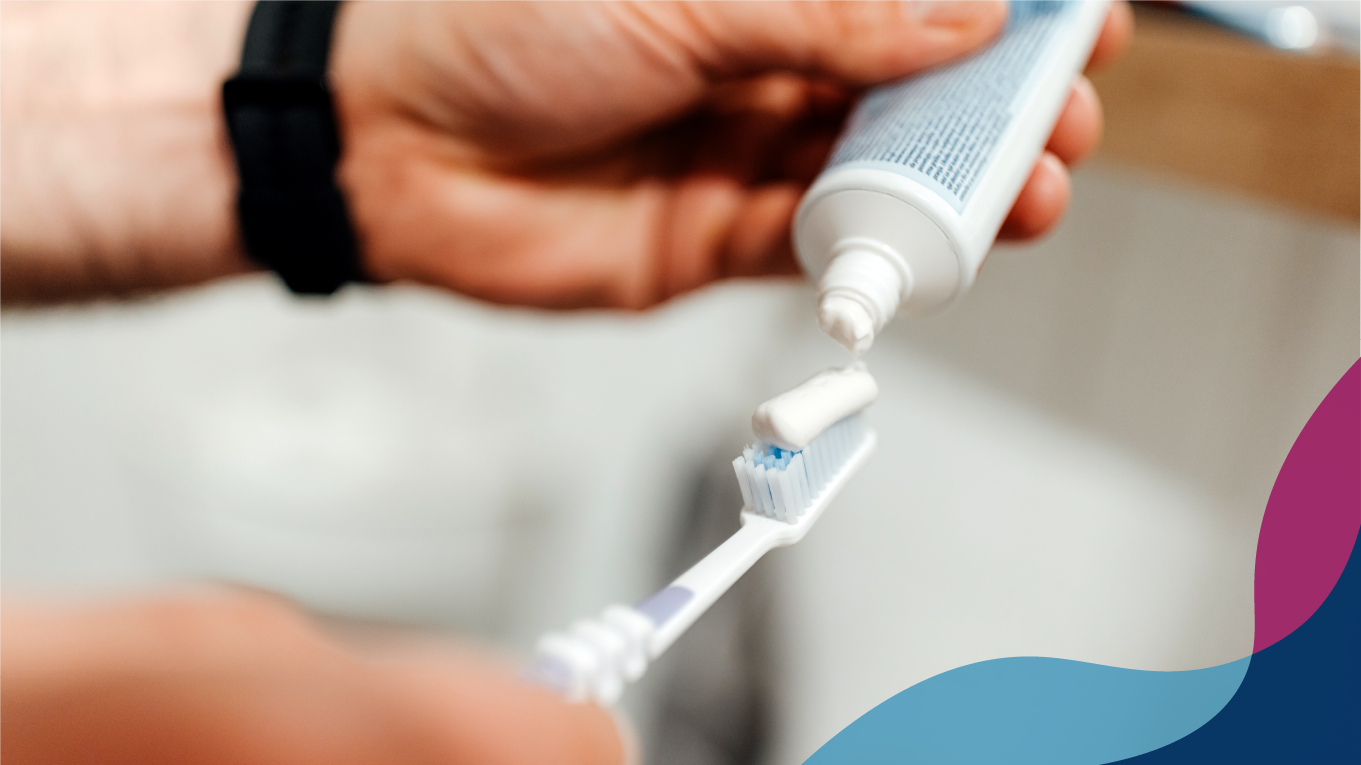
847,321
858,295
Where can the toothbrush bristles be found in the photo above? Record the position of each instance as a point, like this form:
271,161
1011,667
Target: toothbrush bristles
783,484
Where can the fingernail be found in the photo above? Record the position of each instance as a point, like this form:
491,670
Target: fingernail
951,13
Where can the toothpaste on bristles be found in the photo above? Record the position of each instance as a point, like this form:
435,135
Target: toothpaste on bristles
814,439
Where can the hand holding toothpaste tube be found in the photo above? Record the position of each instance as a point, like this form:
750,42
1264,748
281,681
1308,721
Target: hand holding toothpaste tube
558,154
652,149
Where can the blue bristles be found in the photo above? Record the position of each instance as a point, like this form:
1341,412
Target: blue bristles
783,484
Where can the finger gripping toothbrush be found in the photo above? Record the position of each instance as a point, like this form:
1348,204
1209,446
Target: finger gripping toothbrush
812,440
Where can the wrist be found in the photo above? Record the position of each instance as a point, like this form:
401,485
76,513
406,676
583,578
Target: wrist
116,169
368,159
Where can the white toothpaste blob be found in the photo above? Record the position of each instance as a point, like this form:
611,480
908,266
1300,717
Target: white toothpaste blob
794,418
858,296
847,322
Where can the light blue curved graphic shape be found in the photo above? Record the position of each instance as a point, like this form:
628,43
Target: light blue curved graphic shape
1031,709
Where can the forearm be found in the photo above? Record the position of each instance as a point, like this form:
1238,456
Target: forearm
115,171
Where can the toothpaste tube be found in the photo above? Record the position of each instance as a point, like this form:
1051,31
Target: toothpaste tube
928,168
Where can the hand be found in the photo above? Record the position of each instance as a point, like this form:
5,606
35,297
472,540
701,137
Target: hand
1045,195
567,154
232,677
556,154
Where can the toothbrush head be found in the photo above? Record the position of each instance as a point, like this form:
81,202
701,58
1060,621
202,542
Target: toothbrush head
784,492
794,486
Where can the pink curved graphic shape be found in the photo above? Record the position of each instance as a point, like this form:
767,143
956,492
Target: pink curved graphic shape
1312,516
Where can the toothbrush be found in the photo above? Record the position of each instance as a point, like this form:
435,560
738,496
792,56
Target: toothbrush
813,440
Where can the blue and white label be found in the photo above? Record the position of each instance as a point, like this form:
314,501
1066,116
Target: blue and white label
942,128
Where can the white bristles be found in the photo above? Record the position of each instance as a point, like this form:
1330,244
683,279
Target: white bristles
782,484
783,493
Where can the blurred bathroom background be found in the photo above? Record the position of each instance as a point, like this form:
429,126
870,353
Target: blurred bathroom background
1074,460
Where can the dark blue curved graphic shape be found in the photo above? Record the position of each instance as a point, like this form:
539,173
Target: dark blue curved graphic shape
1300,700
1035,710
1297,699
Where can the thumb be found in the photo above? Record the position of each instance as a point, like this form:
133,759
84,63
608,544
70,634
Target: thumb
859,43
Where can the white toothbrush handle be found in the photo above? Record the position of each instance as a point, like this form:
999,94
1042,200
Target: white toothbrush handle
687,598
595,658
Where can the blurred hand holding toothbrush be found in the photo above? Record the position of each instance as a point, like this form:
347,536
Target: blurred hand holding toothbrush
219,676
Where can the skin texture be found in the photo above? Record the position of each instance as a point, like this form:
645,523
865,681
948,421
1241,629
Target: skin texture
223,676
115,173
547,154
656,148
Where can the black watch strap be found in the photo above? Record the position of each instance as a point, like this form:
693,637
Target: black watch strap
283,129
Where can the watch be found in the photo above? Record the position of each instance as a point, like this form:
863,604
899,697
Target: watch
281,119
